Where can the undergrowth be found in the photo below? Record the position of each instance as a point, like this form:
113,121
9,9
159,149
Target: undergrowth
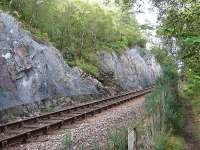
164,108
191,92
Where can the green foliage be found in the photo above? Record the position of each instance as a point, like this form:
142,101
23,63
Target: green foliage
146,26
176,143
192,40
87,67
192,86
118,140
166,60
75,26
164,141
196,112
162,106
182,21
4,4
165,112
66,143
96,146
160,141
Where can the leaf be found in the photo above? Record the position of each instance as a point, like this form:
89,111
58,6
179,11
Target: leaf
192,40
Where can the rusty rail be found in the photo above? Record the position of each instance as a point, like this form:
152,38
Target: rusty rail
21,131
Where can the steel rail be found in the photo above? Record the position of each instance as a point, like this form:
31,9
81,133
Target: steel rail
21,131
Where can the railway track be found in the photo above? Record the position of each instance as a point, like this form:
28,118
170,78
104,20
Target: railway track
20,131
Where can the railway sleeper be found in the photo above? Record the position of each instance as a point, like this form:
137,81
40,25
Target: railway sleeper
45,130
61,118
13,132
3,129
60,124
4,144
31,126
26,137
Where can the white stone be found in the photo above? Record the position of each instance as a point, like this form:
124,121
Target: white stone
7,56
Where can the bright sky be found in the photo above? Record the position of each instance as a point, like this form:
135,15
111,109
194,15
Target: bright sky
146,13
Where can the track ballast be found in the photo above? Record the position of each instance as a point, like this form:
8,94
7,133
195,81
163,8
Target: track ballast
21,131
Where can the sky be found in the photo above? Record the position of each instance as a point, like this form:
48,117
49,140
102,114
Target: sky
146,13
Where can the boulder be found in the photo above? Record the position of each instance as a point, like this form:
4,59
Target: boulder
32,71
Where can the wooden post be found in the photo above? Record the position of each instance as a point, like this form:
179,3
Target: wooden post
132,139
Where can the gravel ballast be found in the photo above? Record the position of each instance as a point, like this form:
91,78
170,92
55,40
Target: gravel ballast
92,129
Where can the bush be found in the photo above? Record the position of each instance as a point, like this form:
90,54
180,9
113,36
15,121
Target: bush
87,67
164,141
162,103
164,110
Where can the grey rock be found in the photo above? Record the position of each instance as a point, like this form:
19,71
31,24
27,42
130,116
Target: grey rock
32,71
130,70
37,71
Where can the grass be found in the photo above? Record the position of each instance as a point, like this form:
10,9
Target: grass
66,143
196,111
76,27
190,91
176,143
117,139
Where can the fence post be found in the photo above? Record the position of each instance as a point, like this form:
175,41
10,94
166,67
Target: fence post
132,139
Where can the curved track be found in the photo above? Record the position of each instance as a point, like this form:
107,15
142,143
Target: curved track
21,131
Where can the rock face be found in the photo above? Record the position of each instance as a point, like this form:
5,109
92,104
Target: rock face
130,70
32,71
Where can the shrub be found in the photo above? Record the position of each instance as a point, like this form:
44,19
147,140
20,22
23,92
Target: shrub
163,108
87,67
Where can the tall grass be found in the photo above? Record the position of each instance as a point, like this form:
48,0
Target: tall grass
75,26
163,107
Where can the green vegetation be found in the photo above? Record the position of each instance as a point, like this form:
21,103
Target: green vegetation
183,25
164,111
79,29
180,21
190,92
66,143
196,111
117,139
